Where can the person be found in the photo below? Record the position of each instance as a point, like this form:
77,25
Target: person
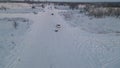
52,14
56,30
58,26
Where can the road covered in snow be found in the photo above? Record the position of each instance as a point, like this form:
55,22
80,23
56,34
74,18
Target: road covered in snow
53,42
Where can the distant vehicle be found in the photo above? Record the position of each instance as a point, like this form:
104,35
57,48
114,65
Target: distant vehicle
58,26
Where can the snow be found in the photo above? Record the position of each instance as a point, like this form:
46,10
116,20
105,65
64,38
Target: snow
81,42
10,37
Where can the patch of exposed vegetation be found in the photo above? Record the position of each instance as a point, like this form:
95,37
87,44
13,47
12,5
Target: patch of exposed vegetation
103,11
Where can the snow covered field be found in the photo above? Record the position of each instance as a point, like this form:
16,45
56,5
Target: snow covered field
105,25
11,32
55,38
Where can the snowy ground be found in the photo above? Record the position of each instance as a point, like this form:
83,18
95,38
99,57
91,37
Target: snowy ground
11,31
30,40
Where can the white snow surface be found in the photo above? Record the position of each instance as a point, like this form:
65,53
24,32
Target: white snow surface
75,45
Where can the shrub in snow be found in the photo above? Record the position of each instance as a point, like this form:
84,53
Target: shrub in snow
33,7
73,6
42,6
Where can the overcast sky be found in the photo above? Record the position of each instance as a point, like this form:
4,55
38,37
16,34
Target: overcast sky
86,0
